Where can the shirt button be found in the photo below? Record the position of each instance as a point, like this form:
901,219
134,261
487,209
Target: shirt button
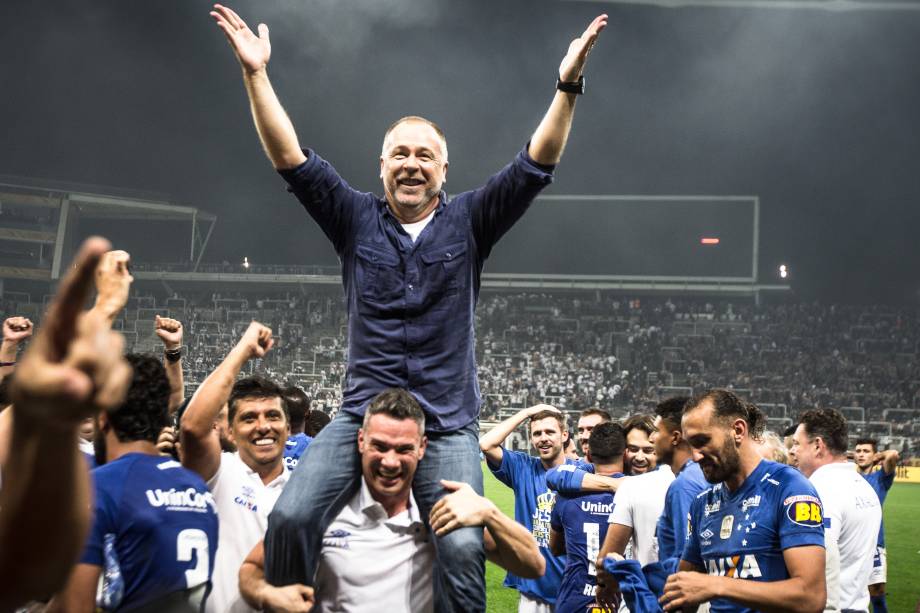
448,255
411,287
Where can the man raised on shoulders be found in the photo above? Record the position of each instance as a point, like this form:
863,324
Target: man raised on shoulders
411,265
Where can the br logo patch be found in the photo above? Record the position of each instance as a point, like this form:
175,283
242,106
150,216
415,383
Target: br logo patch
804,511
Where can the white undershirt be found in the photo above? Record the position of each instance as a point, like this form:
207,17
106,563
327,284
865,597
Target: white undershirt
415,228
638,503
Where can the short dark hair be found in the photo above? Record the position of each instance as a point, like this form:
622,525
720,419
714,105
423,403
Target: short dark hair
315,422
866,440
607,442
298,405
254,387
830,425
642,422
729,406
563,427
604,415
398,404
671,410
145,411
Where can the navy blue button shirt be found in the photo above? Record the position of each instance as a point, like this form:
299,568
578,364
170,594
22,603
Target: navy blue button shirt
411,305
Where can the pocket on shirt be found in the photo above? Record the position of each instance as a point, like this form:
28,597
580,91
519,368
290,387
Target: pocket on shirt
443,269
377,275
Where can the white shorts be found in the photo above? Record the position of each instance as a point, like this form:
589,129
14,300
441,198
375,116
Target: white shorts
529,605
879,572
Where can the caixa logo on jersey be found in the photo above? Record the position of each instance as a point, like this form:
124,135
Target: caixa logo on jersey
181,500
804,511
743,566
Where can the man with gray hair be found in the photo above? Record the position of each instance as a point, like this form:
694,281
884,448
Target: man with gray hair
411,265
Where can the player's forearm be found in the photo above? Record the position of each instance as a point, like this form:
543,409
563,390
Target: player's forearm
599,483
616,540
176,384
8,352
497,435
253,584
890,461
279,139
214,392
793,595
515,548
548,142
35,496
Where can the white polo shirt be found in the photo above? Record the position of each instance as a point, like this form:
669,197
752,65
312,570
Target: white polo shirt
638,503
854,513
371,562
243,504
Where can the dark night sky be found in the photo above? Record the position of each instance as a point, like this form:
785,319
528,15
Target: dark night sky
816,112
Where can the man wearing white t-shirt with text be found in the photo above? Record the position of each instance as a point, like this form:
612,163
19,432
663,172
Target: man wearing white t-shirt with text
852,510
245,484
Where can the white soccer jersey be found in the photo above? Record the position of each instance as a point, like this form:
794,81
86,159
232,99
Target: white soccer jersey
638,503
243,505
855,514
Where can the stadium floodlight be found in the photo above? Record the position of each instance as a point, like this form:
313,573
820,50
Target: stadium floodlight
783,271
245,262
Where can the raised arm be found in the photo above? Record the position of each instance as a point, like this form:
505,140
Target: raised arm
15,331
888,459
491,442
507,542
170,332
113,284
548,142
73,369
199,436
253,52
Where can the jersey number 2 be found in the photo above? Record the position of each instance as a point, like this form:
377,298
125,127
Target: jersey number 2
189,540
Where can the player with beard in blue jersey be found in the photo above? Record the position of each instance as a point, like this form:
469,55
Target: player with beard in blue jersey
533,502
154,531
756,537
579,524
878,468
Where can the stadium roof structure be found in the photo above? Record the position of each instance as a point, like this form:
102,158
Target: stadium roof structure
51,208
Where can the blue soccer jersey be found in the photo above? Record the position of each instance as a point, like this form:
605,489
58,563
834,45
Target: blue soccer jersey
881,482
533,506
294,447
743,534
154,530
671,529
583,521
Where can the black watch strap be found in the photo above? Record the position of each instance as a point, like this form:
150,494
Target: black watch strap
571,87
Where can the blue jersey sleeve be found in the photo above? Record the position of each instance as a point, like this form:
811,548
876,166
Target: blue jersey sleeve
567,478
692,553
801,520
104,512
512,465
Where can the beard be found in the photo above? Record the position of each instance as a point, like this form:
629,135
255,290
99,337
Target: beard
729,464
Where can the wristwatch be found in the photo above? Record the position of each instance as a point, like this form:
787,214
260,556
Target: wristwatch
571,87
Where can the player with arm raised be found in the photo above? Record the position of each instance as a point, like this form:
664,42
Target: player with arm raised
411,265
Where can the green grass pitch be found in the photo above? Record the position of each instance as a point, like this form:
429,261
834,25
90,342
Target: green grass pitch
902,539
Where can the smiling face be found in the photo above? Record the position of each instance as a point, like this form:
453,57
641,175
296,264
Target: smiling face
413,167
260,430
640,452
548,438
390,452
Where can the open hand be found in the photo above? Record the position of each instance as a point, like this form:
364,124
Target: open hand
464,507
573,64
252,51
